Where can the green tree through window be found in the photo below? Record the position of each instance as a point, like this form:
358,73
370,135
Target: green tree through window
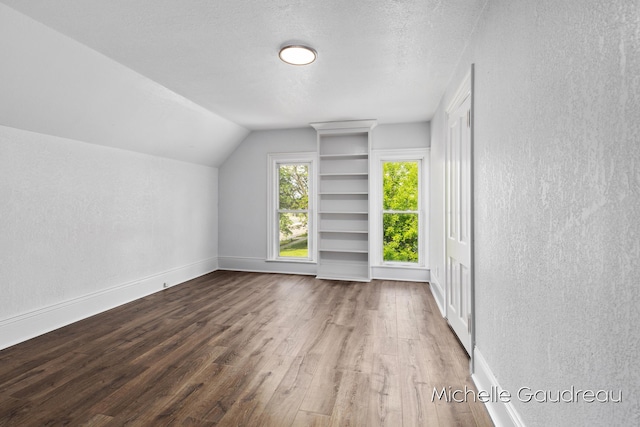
400,215
293,210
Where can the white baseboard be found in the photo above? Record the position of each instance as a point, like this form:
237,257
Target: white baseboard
438,293
260,265
16,329
401,274
503,414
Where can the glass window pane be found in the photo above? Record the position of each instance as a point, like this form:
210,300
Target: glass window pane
294,235
400,237
293,186
400,186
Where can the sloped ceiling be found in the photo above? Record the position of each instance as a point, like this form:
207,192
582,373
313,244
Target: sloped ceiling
383,59
189,78
53,85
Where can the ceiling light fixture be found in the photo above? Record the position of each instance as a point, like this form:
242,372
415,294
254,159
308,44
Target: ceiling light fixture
298,55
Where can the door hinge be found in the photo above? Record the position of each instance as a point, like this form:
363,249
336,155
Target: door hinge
468,118
469,324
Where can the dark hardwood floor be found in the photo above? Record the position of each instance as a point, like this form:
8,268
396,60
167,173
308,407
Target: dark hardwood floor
246,349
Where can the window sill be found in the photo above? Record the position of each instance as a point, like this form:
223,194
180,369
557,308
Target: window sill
297,261
402,265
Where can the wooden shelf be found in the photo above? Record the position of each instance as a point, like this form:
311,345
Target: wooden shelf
347,251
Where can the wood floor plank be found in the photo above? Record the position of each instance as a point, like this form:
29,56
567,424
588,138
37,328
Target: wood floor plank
387,319
385,345
303,334
454,414
385,395
477,408
416,386
352,404
98,420
310,419
245,349
282,408
13,410
154,388
75,397
41,376
323,391
350,306
358,351
254,398
372,296
407,323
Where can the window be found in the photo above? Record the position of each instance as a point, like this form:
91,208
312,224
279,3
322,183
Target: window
291,198
293,210
400,214
399,230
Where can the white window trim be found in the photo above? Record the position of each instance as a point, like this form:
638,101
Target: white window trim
377,158
273,241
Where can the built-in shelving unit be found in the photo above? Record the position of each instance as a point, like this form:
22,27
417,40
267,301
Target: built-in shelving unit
343,200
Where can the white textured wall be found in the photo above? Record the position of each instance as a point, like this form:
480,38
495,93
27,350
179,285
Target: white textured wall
401,136
557,199
243,189
436,202
77,218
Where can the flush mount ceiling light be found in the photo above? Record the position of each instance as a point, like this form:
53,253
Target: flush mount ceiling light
298,55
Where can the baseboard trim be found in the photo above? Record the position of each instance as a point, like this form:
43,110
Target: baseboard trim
403,274
260,265
16,329
503,414
438,293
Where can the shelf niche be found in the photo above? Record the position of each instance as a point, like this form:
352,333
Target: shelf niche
343,200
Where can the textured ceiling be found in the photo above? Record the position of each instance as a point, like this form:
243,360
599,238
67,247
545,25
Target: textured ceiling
381,59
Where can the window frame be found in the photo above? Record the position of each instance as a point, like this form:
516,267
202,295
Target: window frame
380,157
273,211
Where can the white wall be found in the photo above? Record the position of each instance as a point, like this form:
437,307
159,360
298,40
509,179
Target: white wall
243,199
85,228
557,202
51,84
243,190
401,136
436,202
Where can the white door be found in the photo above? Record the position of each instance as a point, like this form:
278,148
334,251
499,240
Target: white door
458,198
